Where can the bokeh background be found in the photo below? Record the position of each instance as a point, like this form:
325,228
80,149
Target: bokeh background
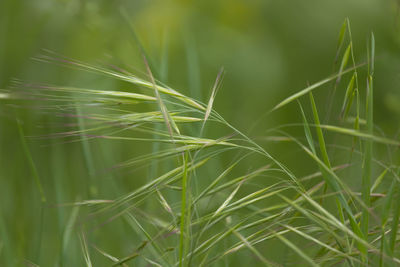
269,49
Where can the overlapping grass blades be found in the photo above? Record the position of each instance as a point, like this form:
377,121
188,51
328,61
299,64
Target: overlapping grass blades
201,214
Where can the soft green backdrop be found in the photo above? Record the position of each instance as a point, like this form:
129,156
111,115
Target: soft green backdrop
269,49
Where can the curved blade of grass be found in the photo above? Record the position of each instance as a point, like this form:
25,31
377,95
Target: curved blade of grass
313,86
320,135
366,136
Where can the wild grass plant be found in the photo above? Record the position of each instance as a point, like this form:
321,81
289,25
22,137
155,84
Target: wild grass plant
195,207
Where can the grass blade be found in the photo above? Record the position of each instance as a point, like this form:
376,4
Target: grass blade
307,130
313,87
343,64
216,86
183,211
167,118
320,135
367,159
378,180
342,34
356,133
348,99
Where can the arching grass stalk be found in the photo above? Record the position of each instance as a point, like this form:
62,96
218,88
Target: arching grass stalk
254,201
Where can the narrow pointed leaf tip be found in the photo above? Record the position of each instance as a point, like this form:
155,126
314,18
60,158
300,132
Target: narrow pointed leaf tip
307,130
344,62
348,99
372,54
342,34
216,86
167,118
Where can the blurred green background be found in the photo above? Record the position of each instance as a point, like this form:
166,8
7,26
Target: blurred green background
269,49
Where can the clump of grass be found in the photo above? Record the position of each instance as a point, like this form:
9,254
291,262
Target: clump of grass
196,221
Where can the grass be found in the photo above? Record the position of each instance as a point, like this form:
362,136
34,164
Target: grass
198,209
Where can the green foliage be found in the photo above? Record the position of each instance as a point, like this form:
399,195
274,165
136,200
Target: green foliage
166,180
